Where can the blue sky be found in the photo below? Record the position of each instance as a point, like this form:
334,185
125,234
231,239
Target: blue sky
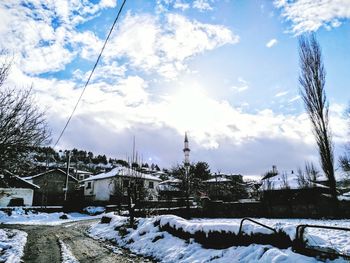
226,72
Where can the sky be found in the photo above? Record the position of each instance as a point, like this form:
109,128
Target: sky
225,72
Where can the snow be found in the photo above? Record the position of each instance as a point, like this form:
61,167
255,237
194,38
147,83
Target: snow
210,226
277,182
344,197
218,180
148,240
66,254
50,171
20,217
169,185
286,225
12,244
94,210
122,171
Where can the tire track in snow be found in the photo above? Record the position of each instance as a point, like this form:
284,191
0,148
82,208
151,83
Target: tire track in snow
66,253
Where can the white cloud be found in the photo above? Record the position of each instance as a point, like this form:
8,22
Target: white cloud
164,6
126,107
202,5
271,43
242,85
306,15
42,34
294,98
164,46
181,5
281,94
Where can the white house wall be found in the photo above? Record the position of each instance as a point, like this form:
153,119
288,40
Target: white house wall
6,194
103,189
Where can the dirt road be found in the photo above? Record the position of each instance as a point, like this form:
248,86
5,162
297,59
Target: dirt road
43,245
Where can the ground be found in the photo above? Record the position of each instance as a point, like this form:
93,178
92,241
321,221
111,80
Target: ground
49,238
43,244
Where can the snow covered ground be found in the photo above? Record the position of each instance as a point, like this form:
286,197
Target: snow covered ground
94,210
339,240
12,244
19,216
66,254
149,240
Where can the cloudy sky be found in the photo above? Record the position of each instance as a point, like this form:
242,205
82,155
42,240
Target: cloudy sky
224,71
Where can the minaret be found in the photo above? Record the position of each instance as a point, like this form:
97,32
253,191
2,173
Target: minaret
186,151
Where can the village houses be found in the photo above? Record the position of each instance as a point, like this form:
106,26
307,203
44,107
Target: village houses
105,187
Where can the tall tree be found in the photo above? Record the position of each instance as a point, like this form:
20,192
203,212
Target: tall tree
344,160
22,125
312,80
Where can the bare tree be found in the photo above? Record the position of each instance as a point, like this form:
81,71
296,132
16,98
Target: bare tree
312,82
311,173
302,179
22,125
344,160
285,183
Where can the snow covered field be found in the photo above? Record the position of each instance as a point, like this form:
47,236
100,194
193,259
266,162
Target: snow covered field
19,216
149,240
12,244
333,237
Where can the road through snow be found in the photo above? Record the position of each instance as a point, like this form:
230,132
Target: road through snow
43,244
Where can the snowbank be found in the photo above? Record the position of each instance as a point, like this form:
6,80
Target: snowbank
66,254
148,240
12,244
211,226
94,210
19,216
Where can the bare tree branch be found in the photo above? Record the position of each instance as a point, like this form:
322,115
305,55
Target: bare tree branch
22,125
344,160
312,81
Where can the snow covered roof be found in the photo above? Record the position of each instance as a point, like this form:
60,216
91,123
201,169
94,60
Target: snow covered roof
22,180
169,185
81,172
123,172
46,172
344,197
218,180
277,182
171,181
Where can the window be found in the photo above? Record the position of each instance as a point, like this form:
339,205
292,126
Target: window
150,185
88,185
125,183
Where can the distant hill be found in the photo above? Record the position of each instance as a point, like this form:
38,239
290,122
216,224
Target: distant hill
46,157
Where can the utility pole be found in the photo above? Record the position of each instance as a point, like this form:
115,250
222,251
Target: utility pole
67,178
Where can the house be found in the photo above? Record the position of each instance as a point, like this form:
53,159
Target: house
52,185
15,191
81,175
170,189
110,186
291,187
226,187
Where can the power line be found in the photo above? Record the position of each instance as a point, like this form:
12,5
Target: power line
91,73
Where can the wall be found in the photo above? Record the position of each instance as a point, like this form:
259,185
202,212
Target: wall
51,188
322,208
153,193
6,194
101,190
